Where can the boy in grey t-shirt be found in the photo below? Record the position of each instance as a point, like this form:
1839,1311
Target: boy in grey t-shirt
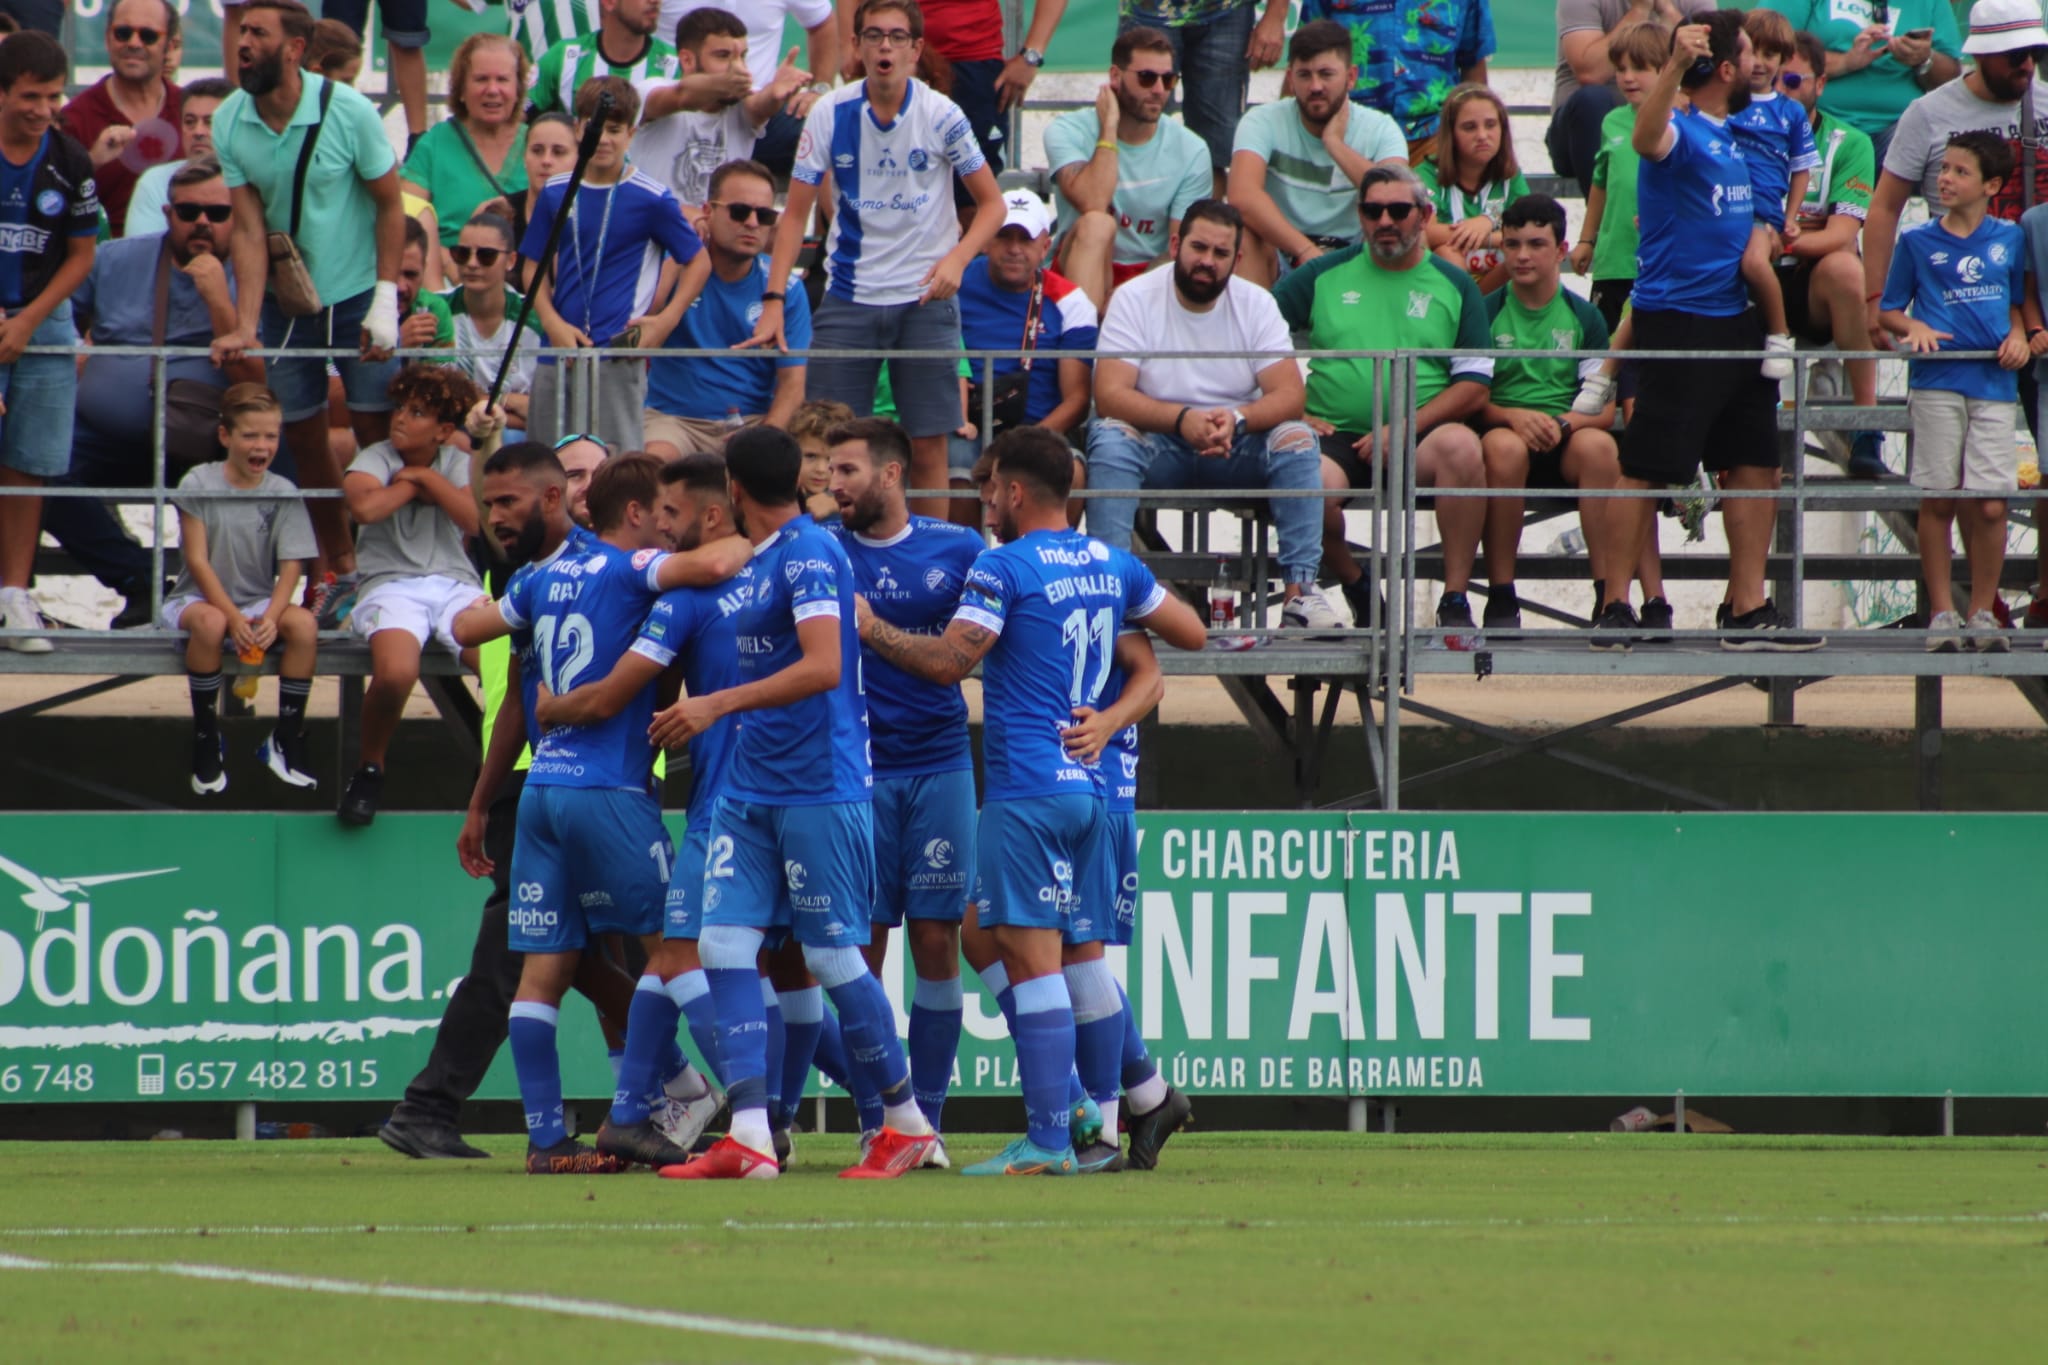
242,561
410,497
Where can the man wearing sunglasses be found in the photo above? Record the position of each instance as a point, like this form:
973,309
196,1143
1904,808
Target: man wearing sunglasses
129,118
693,404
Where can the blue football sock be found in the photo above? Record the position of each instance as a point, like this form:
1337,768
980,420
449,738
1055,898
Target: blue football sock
834,1062
1045,1057
803,1017
692,993
1138,1066
532,1032
778,1051
1098,1029
935,1014
650,1036
742,1033
868,1026
1076,1091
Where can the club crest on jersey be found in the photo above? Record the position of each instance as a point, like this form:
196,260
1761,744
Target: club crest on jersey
49,203
793,570
1418,304
935,579
918,159
1997,253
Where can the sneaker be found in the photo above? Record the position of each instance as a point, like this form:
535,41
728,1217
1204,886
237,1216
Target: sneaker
936,1159
1150,1130
424,1140
1656,616
209,759
1085,1124
1594,395
365,791
331,600
285,756
1359,598
18,611
1614,628
1723,614
1099,1158
134,613
728,1159
1866,457
890,1155
684,1121
1310,611
1503,608
1986,635
570,1157
639,1144
1764,631
1024,1157
1945,633
1453,610
1778,362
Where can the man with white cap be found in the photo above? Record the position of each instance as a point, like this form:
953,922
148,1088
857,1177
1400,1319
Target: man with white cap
1010,300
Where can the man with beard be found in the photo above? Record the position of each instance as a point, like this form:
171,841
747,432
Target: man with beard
623,46
1298,159
1394,293
349,223
129,119
1233,420
111,442
1123,173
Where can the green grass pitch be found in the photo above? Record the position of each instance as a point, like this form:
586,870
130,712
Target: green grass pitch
1243,1247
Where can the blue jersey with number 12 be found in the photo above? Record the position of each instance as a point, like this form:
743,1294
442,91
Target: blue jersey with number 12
1058,600
577,542
585,611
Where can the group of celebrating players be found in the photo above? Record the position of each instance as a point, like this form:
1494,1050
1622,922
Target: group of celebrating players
814,670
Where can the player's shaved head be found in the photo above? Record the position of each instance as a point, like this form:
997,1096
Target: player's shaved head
764,463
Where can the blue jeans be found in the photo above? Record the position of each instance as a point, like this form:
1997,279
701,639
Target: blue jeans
1214,76
40,392
1121,458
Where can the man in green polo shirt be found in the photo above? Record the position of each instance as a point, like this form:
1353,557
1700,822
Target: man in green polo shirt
1392,293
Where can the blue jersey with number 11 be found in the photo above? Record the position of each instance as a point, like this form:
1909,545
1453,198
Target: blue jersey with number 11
585,611
1058,600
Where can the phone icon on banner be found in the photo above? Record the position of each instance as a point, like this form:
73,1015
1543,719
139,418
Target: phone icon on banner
149,1074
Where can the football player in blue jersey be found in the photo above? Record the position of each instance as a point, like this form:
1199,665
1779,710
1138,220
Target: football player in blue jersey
792,842
1044,610
910,570
591,855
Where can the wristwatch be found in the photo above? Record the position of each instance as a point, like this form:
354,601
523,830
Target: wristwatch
1237,425
1032,57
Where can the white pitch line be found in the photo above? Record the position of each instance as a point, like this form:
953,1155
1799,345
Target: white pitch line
880,1347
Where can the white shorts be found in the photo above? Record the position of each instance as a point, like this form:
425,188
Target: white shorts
424,608
174,608
1962,443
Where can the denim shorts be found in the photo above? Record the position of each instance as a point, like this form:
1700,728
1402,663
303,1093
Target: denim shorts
41,393
404,22
300,382
927,391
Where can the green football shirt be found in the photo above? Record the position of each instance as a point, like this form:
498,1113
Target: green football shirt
1847,174
568,64
1615,167
1544,382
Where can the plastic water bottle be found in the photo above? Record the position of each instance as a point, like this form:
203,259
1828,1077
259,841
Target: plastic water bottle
245,683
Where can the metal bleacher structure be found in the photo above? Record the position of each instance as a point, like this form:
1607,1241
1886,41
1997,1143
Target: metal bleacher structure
1291,689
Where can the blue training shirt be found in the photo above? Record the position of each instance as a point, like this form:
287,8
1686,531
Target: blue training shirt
585,611
1967,287
814,752
702,626
577,542
1058,600
616,236
1776,137
913,581
1695,210
710,388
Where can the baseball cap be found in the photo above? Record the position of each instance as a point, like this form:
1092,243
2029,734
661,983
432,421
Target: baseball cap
1998,26
1026,210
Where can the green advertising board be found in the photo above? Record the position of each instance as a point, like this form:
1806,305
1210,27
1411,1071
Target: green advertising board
262,957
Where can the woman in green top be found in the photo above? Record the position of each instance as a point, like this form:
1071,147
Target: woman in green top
1473,179
479,153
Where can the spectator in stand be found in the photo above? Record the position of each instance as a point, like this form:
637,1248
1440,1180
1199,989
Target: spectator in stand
1122,173
51,200
1586,92
410,495
693,404
580,457
426,319
723,115
404,26
1607,234
351,231
129,118
1393,293
550,151
32,16
1962,278
1217,45
1531,437
812,421
477,153
1776,137
1693,200
1821,272
153,187
483,305
1415,51
1881,56
242,561
111,444
1234,421
628,45
1008,299
1299,160
1473,178
765,24
335,51
554,22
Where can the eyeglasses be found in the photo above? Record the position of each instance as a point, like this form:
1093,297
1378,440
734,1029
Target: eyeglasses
128,33
486,256
740,213
212,213
1372,213
573,437
1792,80
887,37
1148,79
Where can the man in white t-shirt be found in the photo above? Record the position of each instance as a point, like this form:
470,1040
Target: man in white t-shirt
766,21
1297,163
1231,421
682,150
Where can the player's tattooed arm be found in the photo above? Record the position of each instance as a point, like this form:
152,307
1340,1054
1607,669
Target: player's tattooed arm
943,659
